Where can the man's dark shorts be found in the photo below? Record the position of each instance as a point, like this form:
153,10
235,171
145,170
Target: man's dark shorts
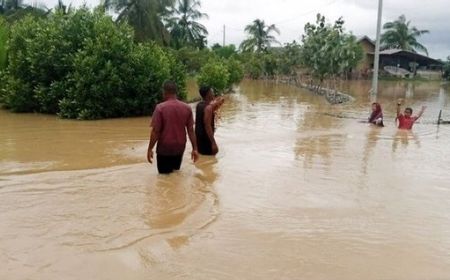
204,146
168,164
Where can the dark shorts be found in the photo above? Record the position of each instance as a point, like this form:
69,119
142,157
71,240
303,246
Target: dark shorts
168,164
204,146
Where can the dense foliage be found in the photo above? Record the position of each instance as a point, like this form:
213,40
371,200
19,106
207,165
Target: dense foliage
328,50
215,73
85,66
224,51
4,31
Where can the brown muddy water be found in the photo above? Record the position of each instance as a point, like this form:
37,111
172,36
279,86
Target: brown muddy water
300,190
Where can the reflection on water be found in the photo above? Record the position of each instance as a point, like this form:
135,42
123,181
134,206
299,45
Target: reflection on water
403,138
300,189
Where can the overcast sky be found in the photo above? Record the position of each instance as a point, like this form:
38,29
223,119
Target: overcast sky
290,17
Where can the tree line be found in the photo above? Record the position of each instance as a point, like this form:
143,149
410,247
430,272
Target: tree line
111,61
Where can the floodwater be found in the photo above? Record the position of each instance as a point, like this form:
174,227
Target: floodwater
300,190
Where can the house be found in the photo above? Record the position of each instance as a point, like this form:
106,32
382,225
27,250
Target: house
397,62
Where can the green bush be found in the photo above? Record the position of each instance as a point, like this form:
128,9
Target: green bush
85,66
4,30
194,59
236,71
215,74
224,51
254,66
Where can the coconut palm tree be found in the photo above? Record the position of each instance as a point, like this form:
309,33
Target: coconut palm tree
399,35
146,17
259,36
184,26
14,10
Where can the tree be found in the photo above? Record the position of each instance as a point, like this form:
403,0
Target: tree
84,65
145,16
224,51
185,30
13,10
259,37
446,69
215,74
399,35
327,50
4,31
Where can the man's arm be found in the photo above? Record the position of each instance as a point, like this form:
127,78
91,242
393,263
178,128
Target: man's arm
399,104
217,103
421,112
154,137
154,134
193,139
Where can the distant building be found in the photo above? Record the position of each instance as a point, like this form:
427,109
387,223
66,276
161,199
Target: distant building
397,62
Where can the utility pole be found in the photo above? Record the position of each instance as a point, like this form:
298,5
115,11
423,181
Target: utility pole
376,62
223,45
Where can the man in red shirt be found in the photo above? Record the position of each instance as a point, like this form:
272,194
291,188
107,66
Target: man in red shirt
170,122
406,120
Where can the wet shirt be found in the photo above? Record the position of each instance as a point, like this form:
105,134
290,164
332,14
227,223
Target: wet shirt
406,122
170,119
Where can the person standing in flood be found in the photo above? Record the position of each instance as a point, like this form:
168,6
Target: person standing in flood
407,120
170,122
205,114
376,117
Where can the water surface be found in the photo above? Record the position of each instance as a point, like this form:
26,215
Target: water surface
300,190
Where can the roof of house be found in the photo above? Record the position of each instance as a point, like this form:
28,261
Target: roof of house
410,55
366,38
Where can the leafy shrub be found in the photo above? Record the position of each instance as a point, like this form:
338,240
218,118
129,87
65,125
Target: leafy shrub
236,71
215,74
224,51
4,30
84,66
194,59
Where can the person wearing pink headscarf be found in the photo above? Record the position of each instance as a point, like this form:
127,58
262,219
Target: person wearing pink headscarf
376,117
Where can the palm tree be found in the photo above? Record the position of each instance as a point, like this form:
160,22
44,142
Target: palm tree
259,36
63,8
144,15
14,10
184,27
399,35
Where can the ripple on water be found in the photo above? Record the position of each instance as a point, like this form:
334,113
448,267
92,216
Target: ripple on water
104,209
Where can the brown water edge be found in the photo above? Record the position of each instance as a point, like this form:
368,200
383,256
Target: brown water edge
295,193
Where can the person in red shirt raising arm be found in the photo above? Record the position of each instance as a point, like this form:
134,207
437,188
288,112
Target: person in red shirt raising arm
407,120
170,122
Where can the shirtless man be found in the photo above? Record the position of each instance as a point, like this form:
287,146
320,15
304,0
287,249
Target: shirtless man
205,121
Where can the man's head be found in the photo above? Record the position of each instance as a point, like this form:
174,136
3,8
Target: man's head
169,89
408,112
207,93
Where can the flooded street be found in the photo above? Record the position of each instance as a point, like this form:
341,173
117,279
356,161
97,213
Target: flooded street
299,190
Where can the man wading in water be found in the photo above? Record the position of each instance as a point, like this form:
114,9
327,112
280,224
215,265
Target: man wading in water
205,121
170,122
